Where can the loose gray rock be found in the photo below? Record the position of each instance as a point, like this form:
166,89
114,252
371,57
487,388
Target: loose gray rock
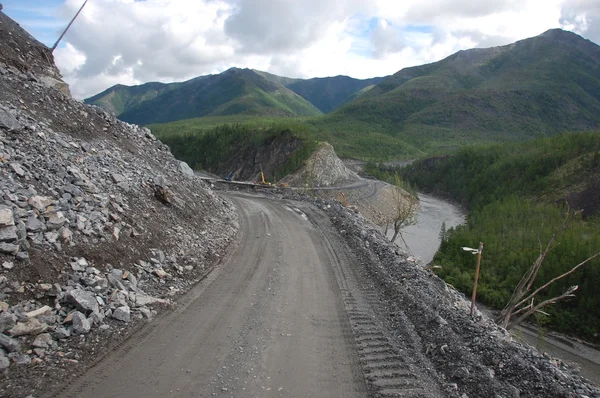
20,359
9,344
4,362
33,224
122,313
7,321
6,217
8,121
8,234
185,169
31,327
40,202
9,248
83,300
43,340
81,325
61,333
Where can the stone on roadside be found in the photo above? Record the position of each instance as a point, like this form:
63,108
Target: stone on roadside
31,327
7,321
9,248
118,178
142,300
6,217
9,344
45,310
8,265
186,169
81,325
8,121
61,333
79,265
18,169
8,234
82,300
122,313
160,273
56,221
40,202
43,340
20,359
4,362
33,224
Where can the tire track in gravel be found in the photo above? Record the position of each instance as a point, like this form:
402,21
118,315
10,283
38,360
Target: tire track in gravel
392,367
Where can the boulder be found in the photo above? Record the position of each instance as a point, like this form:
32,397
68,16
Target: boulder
185,169
82,300
81,325
122,313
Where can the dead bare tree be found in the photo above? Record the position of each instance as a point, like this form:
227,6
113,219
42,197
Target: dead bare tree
405,210
522,303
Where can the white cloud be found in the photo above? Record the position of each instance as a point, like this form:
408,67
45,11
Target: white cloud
131,42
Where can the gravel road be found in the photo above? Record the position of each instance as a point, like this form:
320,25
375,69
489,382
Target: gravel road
270,321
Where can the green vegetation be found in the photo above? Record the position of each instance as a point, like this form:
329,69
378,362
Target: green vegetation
214,149
533,88
513,193
388,175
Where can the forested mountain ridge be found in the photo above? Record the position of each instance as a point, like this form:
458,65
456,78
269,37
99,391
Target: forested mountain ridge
534,87
233,92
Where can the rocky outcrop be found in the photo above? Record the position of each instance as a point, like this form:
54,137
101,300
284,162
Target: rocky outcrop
322,169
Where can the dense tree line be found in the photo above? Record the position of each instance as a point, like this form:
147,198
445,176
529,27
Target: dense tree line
513,192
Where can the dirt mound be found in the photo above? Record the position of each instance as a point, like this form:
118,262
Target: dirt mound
322,169
99,223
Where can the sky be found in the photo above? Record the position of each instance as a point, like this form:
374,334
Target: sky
136,41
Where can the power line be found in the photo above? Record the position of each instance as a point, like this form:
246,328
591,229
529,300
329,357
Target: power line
68,26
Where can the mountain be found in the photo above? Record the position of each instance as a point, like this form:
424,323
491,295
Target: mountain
534,87
326,93
235,91
120,98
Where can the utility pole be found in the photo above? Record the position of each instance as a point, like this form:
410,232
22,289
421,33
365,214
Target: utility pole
476,277
68,26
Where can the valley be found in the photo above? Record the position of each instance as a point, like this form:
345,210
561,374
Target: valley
124,273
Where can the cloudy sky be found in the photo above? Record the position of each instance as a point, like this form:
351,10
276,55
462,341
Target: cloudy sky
136,41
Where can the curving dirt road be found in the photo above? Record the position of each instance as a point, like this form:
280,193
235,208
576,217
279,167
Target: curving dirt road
282,316
269,322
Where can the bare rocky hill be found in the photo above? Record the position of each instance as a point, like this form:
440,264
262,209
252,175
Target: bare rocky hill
99,223
322,169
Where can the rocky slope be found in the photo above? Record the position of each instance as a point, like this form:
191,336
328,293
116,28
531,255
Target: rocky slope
99,223
322,169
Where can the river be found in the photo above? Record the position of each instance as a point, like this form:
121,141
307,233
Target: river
423,238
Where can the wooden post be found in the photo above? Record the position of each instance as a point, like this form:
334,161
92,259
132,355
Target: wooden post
476,277
68,26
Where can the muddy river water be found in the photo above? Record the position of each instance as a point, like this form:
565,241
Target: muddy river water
423,238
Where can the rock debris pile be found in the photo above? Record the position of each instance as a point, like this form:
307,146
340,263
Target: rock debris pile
472,357
99,224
